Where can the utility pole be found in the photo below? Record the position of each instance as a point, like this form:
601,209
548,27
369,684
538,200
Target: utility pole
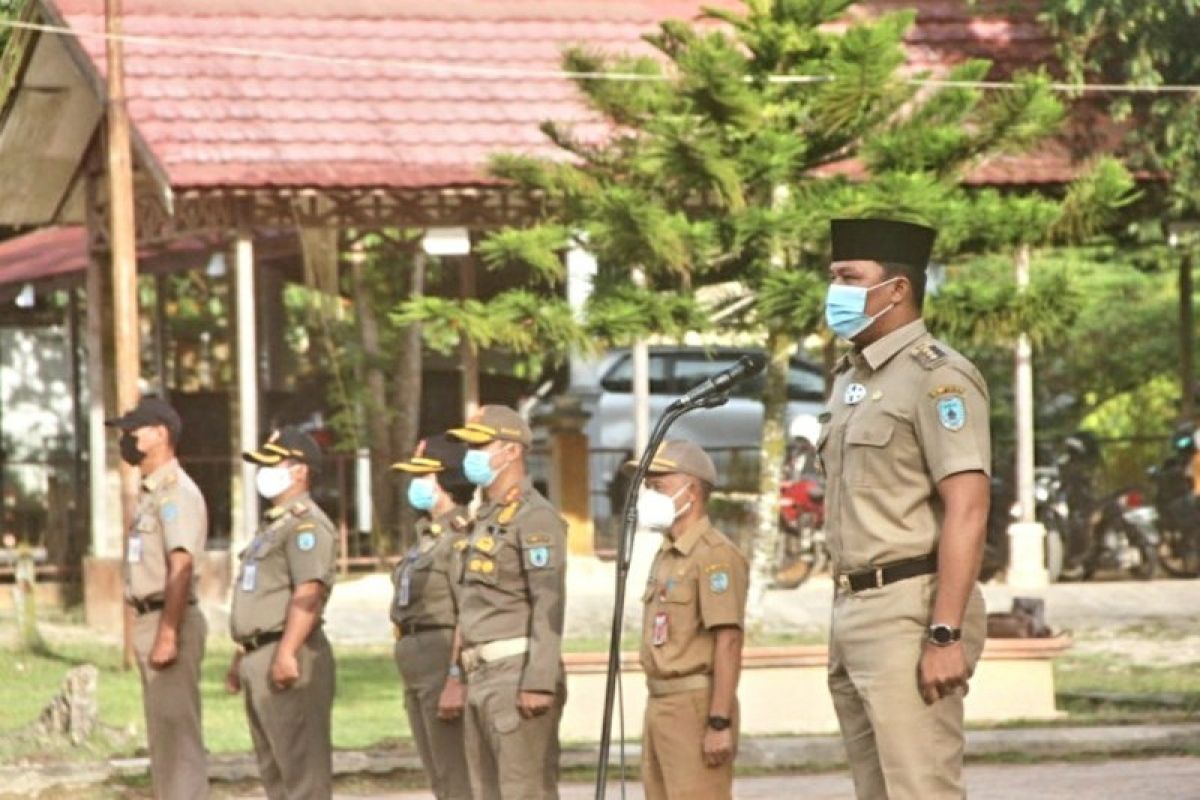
123,243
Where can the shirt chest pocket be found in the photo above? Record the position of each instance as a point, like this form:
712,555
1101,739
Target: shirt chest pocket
868,457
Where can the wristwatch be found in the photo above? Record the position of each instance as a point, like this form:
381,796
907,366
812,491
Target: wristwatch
943,635
455,672
719,723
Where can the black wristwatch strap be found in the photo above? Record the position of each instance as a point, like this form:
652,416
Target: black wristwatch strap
719,723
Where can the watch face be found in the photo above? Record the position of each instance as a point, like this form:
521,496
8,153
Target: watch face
941,634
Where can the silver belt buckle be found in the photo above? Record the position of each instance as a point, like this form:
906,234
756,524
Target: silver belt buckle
843,582
879,577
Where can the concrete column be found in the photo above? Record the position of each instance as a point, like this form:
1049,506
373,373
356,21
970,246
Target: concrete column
581,274
1027,537
641,384
244,496
570,483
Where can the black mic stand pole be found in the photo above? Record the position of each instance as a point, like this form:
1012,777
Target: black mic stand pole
624,556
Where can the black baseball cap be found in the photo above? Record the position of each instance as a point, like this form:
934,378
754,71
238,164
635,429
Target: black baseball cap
286,443
150,410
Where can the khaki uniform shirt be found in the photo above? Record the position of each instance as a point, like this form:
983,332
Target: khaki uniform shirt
424,586
295,544
698,582
906,412
170,515
513,581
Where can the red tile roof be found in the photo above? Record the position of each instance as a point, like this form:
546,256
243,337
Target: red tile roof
43,254
240,120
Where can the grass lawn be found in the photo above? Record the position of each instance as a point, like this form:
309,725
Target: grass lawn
367,711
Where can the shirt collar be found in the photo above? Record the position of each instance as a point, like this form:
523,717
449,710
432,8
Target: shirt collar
686,542
155,479
878,353
275,512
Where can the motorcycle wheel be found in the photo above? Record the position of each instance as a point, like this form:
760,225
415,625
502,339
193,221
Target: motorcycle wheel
791,568
1177,554
1054,554
1148,567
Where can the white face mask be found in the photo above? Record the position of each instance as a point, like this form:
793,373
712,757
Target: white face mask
657,511
272,481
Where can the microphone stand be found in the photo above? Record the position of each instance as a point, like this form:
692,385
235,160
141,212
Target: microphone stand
624,555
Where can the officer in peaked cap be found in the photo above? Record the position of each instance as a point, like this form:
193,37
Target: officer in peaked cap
284,663
425,612
511,601
692,630
906,451
163,551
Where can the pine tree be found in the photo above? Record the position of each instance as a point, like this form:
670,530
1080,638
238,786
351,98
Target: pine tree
727,155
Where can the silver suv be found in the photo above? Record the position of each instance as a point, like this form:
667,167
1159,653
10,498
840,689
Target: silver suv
731,434
673,371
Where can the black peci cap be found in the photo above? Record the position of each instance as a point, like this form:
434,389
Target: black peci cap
881,240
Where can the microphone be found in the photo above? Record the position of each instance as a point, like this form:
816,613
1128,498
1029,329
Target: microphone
746,367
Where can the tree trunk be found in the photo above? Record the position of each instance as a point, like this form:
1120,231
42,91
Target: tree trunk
1187,340
407,394
770,466
376,411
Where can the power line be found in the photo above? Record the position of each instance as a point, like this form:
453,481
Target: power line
446,68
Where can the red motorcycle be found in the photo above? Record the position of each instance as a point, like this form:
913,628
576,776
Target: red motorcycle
801,550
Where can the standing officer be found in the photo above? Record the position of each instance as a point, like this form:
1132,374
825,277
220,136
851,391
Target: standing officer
907,454
283,659
692,624
170,526
511,598
424,611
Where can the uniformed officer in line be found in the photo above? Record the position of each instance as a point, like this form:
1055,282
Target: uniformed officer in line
170,527
511,598
424,610
283,661
692,630
906,450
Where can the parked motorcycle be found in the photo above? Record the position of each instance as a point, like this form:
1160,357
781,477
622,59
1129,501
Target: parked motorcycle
1174,513
801,550
1083,533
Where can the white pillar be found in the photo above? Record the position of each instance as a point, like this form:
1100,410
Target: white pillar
107,535
247,361
641,384
1026,537
581,275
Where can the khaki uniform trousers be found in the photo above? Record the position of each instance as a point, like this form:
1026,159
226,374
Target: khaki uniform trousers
673,765
898,747
510,758
291,727
171,699
423,660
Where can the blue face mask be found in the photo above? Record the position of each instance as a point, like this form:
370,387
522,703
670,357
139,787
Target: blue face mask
477,466
846,309
421,493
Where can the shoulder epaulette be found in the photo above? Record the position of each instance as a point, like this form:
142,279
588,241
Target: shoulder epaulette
508,512
929,355
842,365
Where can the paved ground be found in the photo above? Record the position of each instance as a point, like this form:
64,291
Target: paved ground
1106,611
1150,779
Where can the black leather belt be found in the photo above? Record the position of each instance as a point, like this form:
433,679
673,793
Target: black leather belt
260,640
888,573
410,628
146,606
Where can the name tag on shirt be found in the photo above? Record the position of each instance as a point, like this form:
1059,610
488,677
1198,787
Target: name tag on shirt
134,552
660,633
249,576
404,595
